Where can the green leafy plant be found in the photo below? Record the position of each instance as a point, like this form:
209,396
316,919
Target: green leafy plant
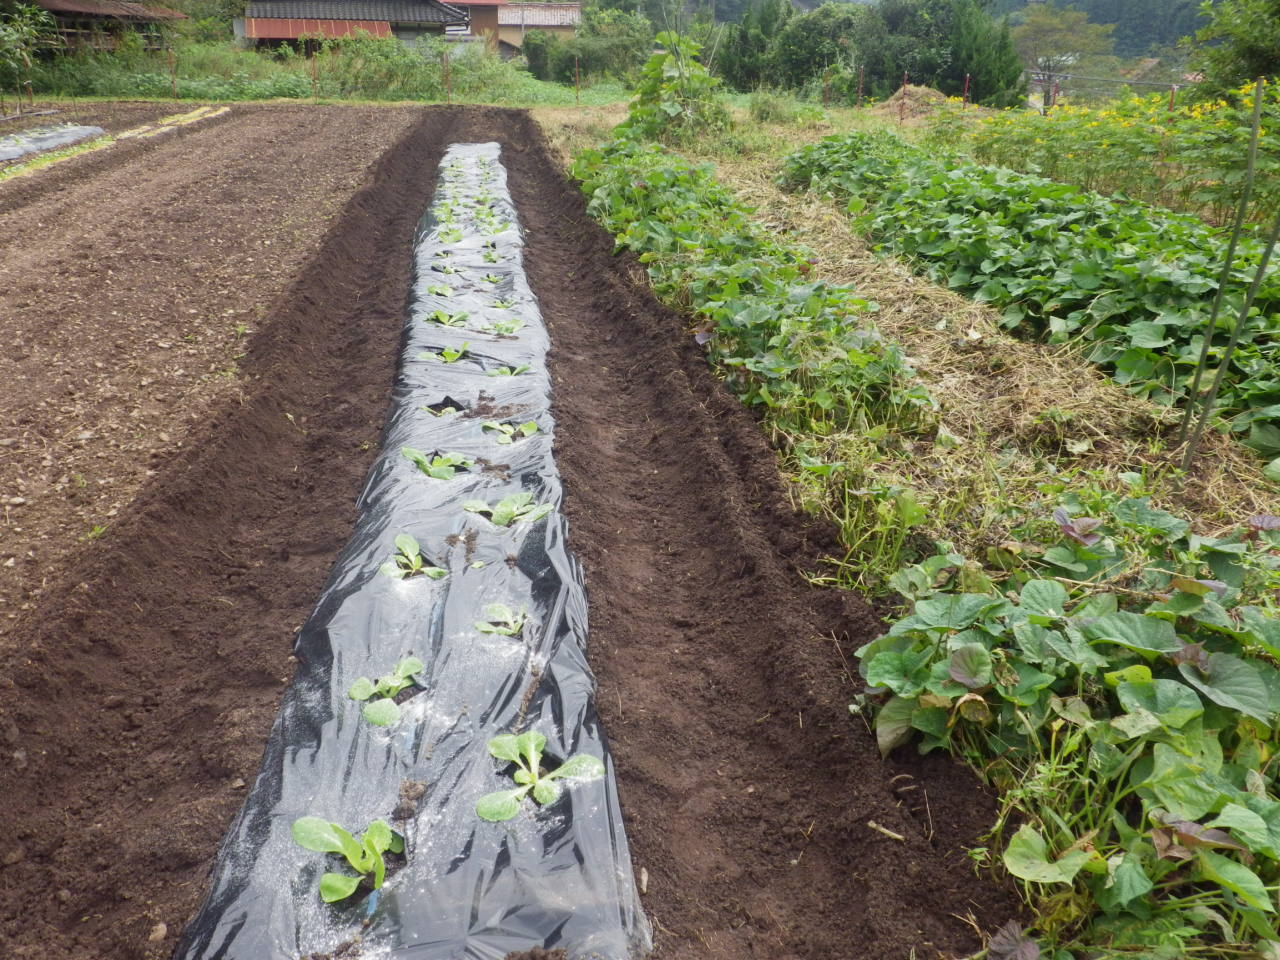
439,290
409,561
491,256
447,319
365,855
378,697
441,412
442,466
507,327
448,354
510,432
450,235
677,97
1118,684
1131,283
509,371
491,278
517,508
501,620
504,303
525,751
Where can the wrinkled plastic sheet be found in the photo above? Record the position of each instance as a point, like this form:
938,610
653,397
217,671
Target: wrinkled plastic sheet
558,876
44,138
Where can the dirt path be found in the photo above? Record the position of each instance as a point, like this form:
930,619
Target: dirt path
135,696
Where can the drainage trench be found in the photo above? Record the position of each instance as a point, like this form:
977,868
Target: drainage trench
486,596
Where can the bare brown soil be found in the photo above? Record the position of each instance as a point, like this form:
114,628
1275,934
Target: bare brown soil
131,281
137,690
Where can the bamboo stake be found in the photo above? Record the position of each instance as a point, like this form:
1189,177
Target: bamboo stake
1224,278
1231,344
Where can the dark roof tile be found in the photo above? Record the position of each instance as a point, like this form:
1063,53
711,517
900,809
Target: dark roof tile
393,11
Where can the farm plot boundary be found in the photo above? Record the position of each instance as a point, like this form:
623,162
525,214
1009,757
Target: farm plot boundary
148,678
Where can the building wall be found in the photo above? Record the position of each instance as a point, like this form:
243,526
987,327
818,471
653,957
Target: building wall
515,35
484,23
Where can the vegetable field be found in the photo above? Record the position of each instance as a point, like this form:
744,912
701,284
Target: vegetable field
238,385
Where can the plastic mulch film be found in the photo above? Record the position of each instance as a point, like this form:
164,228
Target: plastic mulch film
45,138
472,383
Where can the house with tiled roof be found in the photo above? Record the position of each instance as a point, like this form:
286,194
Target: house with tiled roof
278,20
517,19
99,24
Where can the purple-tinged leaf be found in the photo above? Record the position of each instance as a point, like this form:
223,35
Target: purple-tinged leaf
1167,848
1193,653
1079,529
1010,942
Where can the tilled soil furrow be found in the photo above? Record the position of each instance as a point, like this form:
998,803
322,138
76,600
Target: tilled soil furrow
747,786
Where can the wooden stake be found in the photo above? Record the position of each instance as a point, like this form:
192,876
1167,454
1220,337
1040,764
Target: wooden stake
448,78
577,81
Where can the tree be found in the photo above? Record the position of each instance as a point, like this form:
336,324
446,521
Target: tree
1049,40
983,50
1241,42
808,45
23,30
742,60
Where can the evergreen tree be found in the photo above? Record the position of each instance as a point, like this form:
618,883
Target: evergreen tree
1241,43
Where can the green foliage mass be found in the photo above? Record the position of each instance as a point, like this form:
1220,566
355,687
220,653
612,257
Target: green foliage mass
936,42
609,43
1116,681
676,97
1133,282
1240,43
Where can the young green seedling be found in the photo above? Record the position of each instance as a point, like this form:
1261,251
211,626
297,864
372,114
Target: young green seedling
441,467
517,508
440,290
364,855
504,303
448,354
509,371
502,620
491,256
442,412
444,268
508,327
409,561
491,278
378,697
525,751
445,318
451,235
509,432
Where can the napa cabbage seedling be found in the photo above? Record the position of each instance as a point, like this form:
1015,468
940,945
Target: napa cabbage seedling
442,412
378,696
409,561
510,371
509,432
504,303
525,751
508,327
440,290
501,620
442,466
444,268
449,354
445,318
517,508
492,278
452,235
363,855
491,256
